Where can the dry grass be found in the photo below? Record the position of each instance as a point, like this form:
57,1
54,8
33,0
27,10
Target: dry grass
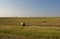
37,29
37,21
29,32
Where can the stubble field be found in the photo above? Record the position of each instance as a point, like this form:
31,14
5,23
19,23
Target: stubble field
36,28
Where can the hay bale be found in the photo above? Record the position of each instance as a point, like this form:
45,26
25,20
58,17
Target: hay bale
23,24
44,21
10,20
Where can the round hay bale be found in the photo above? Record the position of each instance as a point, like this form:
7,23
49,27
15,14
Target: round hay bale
10,21
44,21
22,24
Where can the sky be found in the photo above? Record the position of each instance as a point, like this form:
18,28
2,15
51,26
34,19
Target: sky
29,8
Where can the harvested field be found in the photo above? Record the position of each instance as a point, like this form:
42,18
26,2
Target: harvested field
44,30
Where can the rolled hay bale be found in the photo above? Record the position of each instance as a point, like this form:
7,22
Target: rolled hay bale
10,20
44,21
23,24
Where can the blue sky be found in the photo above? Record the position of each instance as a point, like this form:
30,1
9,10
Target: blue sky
29,8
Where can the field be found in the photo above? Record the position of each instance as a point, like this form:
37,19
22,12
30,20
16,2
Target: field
36,28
